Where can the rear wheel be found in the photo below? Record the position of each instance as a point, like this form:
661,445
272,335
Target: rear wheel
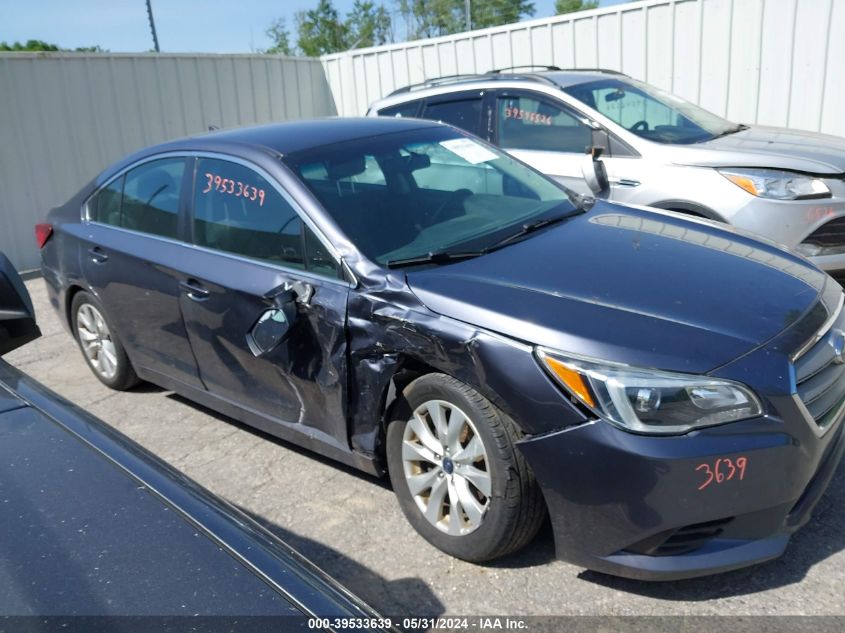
100,345
457,474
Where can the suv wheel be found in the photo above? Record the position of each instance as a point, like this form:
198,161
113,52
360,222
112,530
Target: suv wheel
457,474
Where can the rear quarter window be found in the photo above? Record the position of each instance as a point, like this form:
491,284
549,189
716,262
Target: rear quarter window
409,109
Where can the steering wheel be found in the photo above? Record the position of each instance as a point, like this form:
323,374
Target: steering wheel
639,125
459,195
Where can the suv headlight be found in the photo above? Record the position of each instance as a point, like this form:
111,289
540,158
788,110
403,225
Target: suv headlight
647,401
776,185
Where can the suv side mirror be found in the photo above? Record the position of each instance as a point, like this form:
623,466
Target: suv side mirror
594,172
17,316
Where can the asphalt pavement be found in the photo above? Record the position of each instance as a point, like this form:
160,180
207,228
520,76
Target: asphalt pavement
351,526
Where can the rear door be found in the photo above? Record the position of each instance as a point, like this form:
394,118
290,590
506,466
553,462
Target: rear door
131,249
249,240
545,133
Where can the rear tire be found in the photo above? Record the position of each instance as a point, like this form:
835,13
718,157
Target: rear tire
457,474
100,344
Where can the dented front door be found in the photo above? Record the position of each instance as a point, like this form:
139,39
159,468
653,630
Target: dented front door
301,381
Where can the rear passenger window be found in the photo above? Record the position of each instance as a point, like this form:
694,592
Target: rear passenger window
151,197
527,123
409,109
464,114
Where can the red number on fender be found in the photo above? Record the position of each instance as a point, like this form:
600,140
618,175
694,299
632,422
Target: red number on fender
722,470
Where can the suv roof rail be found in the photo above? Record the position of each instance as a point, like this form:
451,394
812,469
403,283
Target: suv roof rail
609,71
525,66
500,74
452,79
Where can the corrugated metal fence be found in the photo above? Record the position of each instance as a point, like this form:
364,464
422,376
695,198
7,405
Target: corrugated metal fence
772,62
64,117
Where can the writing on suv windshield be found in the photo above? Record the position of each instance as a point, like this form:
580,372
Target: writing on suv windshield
400,197
651,113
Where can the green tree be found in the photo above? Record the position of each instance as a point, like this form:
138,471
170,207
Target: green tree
30,45
430,18
496,12
320,30
278,32
40,46
570,6
367,25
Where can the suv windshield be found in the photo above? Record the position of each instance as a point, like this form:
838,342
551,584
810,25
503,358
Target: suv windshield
651,113
428,191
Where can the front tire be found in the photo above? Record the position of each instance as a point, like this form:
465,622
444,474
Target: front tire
457,474
100,344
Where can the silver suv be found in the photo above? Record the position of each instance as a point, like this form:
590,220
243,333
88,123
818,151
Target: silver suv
659,150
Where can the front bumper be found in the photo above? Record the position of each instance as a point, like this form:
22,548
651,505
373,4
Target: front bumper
635,506
795,221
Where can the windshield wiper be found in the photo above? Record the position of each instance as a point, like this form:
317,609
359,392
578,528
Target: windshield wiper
532,227
739,128
438,257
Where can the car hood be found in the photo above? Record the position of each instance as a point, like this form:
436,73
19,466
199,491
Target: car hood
646,288
773,147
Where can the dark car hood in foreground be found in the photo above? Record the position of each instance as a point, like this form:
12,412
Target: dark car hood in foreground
630,285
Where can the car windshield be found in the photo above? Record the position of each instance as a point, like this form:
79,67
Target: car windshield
651,113
426,191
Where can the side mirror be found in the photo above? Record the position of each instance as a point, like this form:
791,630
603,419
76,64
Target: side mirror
271,329
274,324
594,172
17,316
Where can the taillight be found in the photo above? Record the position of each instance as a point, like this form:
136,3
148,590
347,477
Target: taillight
43,231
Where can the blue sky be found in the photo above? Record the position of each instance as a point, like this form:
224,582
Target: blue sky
207,26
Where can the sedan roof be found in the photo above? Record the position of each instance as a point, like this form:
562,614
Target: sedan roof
295,136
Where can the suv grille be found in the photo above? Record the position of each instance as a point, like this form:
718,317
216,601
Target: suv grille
830,234
820,376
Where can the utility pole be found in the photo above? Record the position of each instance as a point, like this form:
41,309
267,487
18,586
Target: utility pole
152,26
468,14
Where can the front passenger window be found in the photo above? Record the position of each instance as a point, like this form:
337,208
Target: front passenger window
238,211
532,124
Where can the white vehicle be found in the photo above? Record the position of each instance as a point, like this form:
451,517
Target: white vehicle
658,150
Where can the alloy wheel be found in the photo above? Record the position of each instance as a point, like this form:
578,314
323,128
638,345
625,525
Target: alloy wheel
446,467
96,341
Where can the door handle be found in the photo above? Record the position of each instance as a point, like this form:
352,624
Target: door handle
98,255
625,182
194,290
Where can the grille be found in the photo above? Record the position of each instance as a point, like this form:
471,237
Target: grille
820,376
680,540
830,234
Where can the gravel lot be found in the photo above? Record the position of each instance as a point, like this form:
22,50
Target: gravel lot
350,525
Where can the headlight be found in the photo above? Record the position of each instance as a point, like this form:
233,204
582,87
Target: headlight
647,401
777,185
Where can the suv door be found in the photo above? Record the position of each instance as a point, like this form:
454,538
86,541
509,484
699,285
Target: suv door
545,133
250,240
131,250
